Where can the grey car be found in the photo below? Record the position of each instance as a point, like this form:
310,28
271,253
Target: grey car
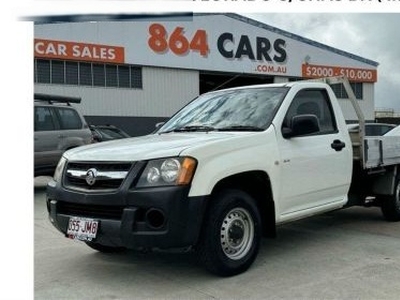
103,133
58,126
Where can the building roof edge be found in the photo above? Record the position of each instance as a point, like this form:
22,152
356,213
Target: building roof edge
293,36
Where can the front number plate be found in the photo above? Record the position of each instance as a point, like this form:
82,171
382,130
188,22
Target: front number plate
83,229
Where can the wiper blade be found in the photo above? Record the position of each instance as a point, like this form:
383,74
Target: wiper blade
241,128
190,128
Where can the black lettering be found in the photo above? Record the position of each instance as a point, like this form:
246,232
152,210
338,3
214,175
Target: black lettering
94,228
279,47
263,47
89,226
244,48
223,38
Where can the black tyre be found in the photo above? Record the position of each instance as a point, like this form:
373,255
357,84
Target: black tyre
391,205
105,249
231,233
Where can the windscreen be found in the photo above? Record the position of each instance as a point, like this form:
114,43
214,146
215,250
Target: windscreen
249,109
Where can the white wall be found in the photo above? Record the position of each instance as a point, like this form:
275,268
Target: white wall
366,104
164,92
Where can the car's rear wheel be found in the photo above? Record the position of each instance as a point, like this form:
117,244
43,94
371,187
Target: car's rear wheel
391,204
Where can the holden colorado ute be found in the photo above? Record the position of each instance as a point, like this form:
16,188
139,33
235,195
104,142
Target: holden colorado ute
224,172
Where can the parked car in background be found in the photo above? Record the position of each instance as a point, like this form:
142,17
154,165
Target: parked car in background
373,129
393,132
103,133
58,126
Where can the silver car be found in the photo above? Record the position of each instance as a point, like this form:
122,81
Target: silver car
394,132
58,127
373,129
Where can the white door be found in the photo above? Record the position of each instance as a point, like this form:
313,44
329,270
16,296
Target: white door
315,168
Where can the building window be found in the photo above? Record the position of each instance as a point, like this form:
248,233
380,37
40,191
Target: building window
111,76
57,72
340,92
123,76
42,71
136,77
99,75
71,73
87,74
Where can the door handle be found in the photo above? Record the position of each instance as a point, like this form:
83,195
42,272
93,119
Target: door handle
338,145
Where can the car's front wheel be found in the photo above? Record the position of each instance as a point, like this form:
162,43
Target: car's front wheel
231,235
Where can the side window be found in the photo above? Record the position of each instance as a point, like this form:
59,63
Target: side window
314,102
43,119
69,119
376,130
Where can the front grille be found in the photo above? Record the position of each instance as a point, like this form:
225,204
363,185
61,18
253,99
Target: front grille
95,176
104,184
90,211
114,166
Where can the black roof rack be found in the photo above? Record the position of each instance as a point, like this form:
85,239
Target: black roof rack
57,98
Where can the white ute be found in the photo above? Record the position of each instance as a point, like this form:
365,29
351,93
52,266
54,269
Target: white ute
223,172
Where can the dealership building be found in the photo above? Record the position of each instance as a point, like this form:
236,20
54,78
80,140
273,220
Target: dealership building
135,72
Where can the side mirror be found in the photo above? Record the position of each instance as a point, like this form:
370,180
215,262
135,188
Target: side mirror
158,125
301,125
96,137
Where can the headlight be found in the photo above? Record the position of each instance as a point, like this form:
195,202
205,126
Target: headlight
59,169
168,171
153,175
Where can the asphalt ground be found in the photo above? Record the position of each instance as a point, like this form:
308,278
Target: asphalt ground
346,254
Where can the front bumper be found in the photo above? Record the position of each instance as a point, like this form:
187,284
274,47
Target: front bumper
161,218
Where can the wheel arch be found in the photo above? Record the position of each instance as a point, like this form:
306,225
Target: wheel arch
258,186
390,204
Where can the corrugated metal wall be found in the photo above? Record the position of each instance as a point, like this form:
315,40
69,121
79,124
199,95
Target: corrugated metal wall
136,111
164,92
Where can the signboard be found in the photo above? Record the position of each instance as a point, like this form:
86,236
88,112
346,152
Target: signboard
353,74
53,49
213,42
